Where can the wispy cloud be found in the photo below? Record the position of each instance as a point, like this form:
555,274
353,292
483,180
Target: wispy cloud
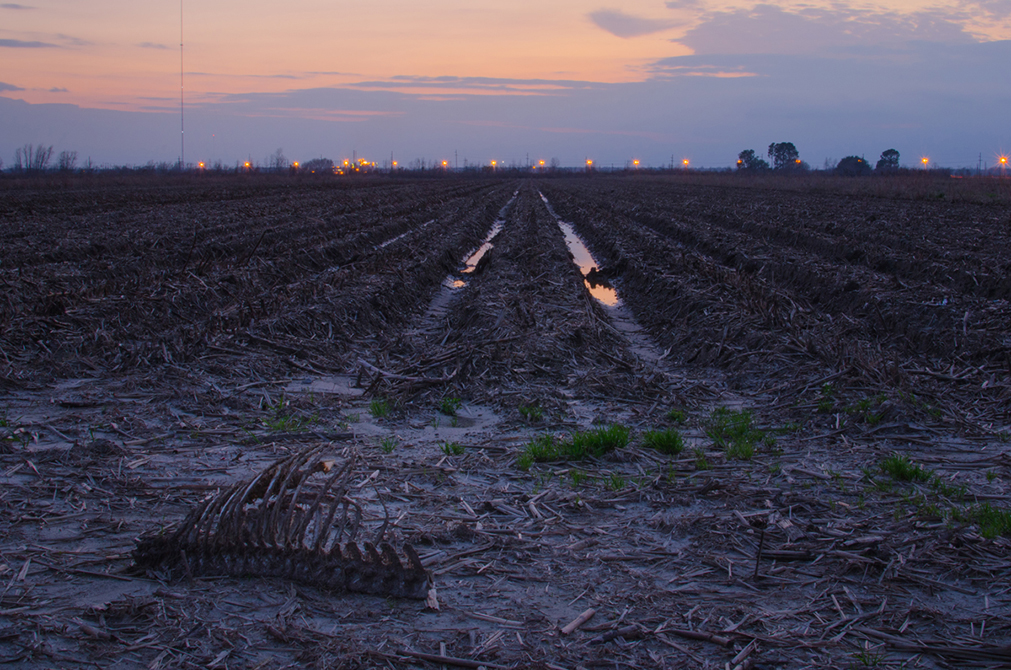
152,45
9,87
768,29
11,5
22,44
620,24
58,89
470,85
243,76
685,4
73,41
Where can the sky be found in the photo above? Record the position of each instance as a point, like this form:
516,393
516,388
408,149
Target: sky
480,80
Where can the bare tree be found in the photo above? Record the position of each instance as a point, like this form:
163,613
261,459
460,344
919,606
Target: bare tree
277,161
67,161
20,159
40,160
30,158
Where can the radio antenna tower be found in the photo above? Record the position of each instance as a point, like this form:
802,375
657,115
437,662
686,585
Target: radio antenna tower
182,118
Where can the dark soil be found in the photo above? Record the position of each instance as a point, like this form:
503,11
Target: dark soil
160,341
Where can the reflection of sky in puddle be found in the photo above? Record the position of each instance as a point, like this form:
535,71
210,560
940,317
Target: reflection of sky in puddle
581,255
475,258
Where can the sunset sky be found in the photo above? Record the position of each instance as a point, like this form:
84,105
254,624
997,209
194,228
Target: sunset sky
569,79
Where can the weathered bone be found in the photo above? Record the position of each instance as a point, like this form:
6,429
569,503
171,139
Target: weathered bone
285,523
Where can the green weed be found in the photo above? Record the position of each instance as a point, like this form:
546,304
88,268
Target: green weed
733,432
666,441
284,421
452,448
379,408
677,416
388,444
578,477
615,482
450,406
863,409
992,521
701,463
826,400
899,467
531,413
577,446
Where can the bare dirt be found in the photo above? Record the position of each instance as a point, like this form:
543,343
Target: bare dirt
162,340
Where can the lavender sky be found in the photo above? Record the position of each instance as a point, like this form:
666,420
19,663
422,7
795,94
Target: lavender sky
478,81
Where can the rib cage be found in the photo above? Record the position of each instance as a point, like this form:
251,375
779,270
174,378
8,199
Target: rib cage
287,523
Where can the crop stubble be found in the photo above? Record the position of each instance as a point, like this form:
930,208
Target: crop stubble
148,336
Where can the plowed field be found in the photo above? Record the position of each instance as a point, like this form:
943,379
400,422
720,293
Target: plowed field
798,406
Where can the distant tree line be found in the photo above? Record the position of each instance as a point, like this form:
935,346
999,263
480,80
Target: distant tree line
786,158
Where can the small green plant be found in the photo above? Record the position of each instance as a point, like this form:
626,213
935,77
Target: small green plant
733,432
597,442
826,400
947,490
1004,436
450,406
862,409
701,462
899,467
868,659
531,413
992,521
990,476
578,477
285,421
665,441
388,444
354,417
677,416
452,448
577,446
524,461
615,482
379,408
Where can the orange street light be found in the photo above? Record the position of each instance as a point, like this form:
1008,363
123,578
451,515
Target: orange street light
1003,160
925,160
394,163
685,161
295,164
200,165
247,165
542,163
636,162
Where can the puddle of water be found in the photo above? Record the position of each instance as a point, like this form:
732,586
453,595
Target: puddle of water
439,307
604,293
475,258
582,257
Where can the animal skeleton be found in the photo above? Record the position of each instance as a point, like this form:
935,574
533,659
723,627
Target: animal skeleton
287,523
